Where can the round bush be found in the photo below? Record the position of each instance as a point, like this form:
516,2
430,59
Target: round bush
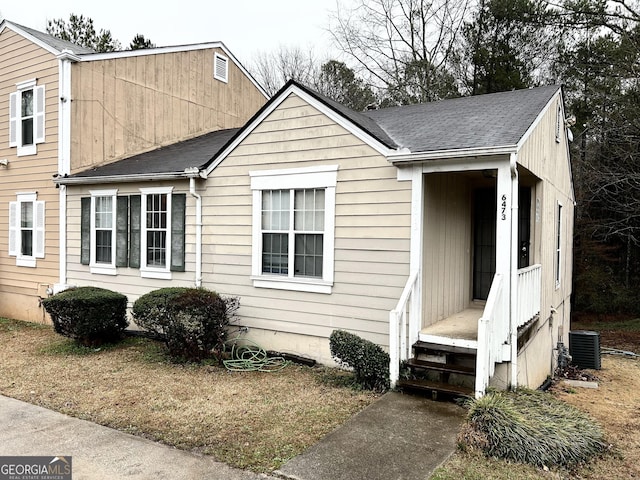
191,321
89,315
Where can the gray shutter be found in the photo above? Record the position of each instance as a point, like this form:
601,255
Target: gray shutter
136,225
85,230
178,208
122,231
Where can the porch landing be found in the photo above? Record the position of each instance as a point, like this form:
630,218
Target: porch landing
458,330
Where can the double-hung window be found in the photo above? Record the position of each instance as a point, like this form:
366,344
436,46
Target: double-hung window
293,228
26,229
103,231
26,117
558,246
145,231
156,232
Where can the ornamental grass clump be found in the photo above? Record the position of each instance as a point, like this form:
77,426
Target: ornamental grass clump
532,427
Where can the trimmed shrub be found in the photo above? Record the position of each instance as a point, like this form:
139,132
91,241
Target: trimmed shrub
191,321
532,427
89,315
369,362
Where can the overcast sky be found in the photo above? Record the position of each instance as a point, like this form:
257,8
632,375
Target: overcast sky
247,27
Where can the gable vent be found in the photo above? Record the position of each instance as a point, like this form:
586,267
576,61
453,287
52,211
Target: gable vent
584,347
220,67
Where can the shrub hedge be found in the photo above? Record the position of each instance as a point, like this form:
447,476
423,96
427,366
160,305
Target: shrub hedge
369,362
191,321
89,315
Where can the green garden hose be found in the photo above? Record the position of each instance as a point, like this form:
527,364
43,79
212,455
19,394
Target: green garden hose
248,356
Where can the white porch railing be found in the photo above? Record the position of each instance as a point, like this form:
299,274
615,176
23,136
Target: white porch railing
493,333
399,322
529,291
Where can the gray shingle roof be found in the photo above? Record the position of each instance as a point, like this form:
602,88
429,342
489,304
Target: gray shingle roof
52,41
174,158
498,119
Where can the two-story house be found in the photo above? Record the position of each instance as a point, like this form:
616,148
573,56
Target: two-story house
65,108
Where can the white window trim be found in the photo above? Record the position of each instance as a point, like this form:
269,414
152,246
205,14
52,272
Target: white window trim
38,116
145,270
225,76
559,122
558,245
286,179
38,230
103,268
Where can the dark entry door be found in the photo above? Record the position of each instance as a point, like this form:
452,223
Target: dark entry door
484,237
484,241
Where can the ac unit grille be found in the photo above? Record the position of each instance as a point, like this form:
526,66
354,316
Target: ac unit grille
584,347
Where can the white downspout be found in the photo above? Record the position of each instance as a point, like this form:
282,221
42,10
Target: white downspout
65,60
193,172
513,301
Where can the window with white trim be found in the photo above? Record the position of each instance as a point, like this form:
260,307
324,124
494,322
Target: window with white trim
558,249
143,231
220,67
26,229
103,231
156,232
293,228
26,117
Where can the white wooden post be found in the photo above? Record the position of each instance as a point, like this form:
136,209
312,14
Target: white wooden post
415,265
503,247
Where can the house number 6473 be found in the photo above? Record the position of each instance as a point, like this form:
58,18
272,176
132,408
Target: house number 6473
503,208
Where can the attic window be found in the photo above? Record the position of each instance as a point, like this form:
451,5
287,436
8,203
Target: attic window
220,67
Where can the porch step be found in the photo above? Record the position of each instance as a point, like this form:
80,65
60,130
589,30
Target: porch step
434,388
415,363
427,347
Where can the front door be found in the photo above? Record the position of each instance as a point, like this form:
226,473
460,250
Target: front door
484,237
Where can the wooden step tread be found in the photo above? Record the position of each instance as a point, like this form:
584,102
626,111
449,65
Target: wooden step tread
437,347
441,367
428,385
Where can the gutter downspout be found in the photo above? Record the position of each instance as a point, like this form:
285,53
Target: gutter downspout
513,290
194,172
65,59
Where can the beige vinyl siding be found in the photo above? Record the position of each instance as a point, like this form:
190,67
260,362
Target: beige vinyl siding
129,105
372,228
128,280
549,160
20,287
447,243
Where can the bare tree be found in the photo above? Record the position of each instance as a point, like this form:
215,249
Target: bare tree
274,69
402,44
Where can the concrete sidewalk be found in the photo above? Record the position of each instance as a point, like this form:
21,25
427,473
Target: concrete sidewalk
101,453
398,437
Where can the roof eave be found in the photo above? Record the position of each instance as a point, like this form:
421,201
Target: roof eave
144,177
406,158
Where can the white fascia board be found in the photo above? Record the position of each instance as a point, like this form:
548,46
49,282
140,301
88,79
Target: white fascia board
120,179
15,28
89,57
321,107
539,117
405,158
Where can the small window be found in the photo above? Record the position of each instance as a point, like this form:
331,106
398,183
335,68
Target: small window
220,67
293,228
558,251
103,231
558,122
156,232
26,229
26,117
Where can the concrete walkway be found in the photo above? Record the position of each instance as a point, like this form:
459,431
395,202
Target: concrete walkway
399,437
101,453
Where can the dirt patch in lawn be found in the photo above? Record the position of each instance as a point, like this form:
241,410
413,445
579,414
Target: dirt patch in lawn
251,420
